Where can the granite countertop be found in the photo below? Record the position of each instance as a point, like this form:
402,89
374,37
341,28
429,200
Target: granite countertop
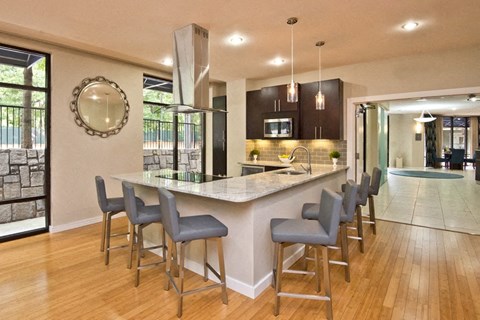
236,189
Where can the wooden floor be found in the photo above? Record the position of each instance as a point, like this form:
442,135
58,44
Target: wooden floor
406,272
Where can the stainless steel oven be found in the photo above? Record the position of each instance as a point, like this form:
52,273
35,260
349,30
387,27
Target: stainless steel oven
278,128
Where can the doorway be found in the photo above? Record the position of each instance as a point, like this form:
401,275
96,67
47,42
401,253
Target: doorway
24,142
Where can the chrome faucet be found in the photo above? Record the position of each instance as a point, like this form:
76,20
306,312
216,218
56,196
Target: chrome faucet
307,169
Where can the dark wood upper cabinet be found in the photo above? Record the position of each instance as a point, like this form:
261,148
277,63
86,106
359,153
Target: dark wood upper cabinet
322,124
275,99
255,111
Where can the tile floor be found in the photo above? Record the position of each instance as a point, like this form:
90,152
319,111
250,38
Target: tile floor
448,204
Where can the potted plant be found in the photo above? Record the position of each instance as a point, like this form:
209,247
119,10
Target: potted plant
334,155
254,154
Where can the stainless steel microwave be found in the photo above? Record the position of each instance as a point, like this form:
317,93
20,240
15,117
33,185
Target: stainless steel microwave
278,128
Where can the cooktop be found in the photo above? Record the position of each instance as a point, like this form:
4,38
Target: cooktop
196,177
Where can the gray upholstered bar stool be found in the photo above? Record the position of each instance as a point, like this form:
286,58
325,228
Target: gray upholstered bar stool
183,230
311,209
140,216
109,207
319,234
362,196
373,191
346,216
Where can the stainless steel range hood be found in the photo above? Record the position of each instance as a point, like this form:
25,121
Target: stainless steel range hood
191,70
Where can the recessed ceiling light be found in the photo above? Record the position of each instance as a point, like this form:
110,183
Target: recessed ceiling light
409,26
236,40
167,62
278,61
422,100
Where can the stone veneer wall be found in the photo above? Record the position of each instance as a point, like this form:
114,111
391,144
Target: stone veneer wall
22,174
319,150
190,160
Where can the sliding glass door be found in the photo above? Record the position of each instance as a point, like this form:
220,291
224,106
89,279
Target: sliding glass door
24,157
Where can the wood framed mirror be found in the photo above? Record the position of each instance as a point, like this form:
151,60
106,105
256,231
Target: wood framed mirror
100,106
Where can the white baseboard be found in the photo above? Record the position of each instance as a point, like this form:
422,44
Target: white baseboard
232,283
81,223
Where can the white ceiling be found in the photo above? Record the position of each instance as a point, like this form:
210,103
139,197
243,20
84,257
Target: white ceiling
355,31
455,105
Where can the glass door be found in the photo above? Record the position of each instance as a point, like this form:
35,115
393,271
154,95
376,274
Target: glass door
24,157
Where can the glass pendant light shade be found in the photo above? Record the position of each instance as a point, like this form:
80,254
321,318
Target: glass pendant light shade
292,87
292,92
320,97
320,101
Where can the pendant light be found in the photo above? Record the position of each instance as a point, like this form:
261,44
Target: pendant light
292,87
320,97
423,118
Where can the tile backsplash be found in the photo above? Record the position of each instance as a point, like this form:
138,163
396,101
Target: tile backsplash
319,150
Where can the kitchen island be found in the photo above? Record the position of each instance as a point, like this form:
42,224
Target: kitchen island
245,205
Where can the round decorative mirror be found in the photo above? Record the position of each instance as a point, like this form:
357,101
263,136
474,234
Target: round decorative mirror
100,106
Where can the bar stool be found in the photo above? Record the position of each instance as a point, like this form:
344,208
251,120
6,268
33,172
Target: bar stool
347,214
140,216
361,201
319,234
373,191
183,230
109,207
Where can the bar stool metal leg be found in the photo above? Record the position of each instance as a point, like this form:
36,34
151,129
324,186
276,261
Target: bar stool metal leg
371,207
168,272
345,258
278,285
326,279
104,225
275,259
221,263
107,237
181,276
139,254
360,228
205,268
130,246
317,268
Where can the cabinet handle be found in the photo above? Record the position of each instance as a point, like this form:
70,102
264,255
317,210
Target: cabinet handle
223,140
315,132
275,105
319,132
279,105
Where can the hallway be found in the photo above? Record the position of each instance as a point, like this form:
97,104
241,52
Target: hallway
436,203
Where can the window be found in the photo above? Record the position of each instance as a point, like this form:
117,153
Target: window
456,131
171,140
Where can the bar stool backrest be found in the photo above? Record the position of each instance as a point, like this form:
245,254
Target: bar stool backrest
101,194
375,183
350,199
363,190
168,207
329,217
130,202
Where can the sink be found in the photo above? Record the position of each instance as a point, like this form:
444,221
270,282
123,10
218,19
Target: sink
290,172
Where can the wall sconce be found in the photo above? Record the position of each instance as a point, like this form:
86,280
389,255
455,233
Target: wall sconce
418,128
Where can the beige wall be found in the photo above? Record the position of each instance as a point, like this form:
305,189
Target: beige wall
403,143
